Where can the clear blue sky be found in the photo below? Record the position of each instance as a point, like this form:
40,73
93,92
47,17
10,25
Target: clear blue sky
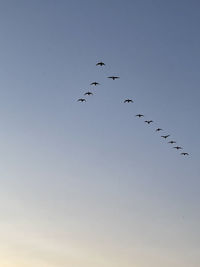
89,184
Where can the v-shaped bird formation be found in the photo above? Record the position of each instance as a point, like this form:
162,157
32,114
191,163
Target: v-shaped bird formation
128,101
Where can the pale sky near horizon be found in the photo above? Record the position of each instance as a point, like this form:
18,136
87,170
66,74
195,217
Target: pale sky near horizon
89,184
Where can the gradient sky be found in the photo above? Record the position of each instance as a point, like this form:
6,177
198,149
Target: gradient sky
90,185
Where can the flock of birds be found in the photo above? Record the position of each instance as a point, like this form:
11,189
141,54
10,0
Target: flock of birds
89,93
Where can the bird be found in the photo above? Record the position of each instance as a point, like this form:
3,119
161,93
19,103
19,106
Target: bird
185,154
159,129
81,100
94,83
148,121
100,64
178,147
128,101
165,136
139,115
88,93
113,77
171,142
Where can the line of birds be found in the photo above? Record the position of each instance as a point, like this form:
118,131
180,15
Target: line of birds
89,93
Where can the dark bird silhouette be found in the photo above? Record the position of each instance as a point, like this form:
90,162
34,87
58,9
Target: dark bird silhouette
81,100
113,77
139,115
128,101
165,136
88,93
100,64
178,147
159,129
148,121
184,154
171,142
94,83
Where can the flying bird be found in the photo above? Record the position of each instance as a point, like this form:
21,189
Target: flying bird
100,64
88,93
139,115
128,101
94,83
81,100
113,77
159,129
178,147
165,136
171,142
185,154
148,121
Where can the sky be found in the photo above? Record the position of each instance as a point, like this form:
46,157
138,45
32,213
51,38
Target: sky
89,184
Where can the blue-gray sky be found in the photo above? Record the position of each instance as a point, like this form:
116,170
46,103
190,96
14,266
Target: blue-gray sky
88,184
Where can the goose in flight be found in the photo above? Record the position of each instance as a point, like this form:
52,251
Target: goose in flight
159,129
165,136
128,101
81,100
95,83
171,142
184,154
139,115
148,121
100,64
88,93
113,77
178,147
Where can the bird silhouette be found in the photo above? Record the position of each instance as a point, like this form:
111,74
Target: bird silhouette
81,100
178,147
94,83
171,142
139,115
159,129
88,93
113,77
100,64
185,154
148,121
165,136
128,101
